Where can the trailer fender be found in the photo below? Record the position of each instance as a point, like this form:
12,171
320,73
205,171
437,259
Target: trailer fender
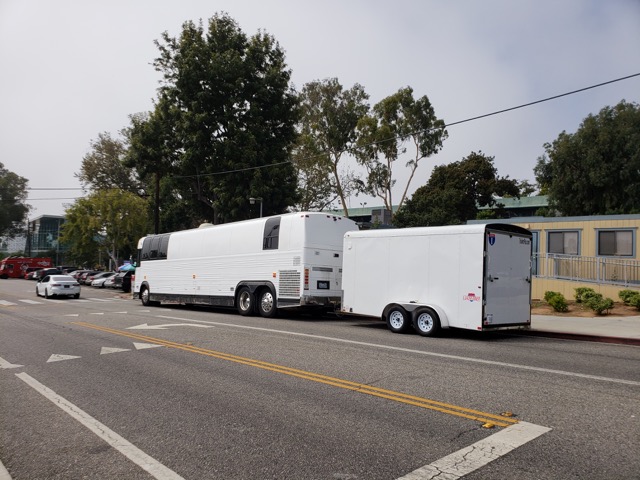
444,321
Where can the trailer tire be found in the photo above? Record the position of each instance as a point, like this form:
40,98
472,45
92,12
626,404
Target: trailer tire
267,303
426,322
245,302
398,319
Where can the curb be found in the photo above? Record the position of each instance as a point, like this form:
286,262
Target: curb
581,337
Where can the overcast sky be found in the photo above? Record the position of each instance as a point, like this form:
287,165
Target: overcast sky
74,69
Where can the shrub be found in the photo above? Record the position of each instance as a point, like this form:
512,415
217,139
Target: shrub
557,301
634,301
548,294
582,293
627,295
599,304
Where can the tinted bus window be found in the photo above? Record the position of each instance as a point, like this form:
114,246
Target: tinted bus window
271,234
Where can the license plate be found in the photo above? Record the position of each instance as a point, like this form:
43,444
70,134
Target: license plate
323,285
66,286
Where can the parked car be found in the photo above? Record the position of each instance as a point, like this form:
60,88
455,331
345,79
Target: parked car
66,269
40,274
108,282
122,280
76,274
86,277
99,279
29,273
54,285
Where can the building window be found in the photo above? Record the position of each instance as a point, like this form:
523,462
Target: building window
565,242
617,243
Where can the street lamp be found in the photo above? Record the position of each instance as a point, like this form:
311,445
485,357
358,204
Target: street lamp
253,200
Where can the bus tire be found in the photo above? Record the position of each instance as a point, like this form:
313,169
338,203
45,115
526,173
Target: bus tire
267,303
426,322
145,295
398,319
245,302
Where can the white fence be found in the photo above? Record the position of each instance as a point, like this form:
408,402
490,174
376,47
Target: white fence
603,270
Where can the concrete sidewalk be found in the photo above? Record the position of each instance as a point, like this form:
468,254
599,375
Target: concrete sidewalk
603,326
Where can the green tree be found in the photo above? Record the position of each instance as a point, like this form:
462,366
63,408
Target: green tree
107,221
454,191
227,117
103,167
327,128
397,121
595,171
13,209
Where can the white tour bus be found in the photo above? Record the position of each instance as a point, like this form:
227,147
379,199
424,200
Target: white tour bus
256,266
474,277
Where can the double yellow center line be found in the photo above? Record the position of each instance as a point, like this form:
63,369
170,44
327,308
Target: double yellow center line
487,419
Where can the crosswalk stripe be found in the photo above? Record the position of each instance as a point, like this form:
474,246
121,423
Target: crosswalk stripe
30,302
7,303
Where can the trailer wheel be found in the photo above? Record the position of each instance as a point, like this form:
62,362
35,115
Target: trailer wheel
244,301
426,322
397,319
267,303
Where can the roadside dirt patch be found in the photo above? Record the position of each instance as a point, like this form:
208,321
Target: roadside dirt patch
540,307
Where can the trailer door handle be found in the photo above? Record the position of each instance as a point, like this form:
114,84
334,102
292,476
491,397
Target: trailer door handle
492,278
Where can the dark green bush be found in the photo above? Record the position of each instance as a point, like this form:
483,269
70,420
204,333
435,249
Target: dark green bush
557,301
582,293
599,304
548,294
627,295
634,301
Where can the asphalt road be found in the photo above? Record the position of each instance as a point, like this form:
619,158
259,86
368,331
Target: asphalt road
89,390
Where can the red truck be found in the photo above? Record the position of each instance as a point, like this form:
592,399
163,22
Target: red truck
15,267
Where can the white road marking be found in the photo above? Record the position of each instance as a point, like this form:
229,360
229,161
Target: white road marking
143,346
420,352
133,453
96,313
107,350
58,358
101,299
475,456
7,303
30,302
6,365
4,474
83,300
146,326
72,315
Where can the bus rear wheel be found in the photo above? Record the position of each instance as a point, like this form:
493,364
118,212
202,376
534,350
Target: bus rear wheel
267,303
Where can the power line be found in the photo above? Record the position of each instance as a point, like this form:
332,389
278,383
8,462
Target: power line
478,117
497,112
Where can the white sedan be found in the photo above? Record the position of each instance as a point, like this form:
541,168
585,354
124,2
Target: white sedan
54,285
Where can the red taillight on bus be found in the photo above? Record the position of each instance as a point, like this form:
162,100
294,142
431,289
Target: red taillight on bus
306,279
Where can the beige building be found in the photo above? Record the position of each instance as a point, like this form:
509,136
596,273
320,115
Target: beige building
599,251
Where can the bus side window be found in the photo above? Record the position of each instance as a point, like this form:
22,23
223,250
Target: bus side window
271,234
164,247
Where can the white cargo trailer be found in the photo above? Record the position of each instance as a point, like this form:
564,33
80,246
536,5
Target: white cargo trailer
474,277
257,266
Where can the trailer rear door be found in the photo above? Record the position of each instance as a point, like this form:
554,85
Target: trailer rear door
507,278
